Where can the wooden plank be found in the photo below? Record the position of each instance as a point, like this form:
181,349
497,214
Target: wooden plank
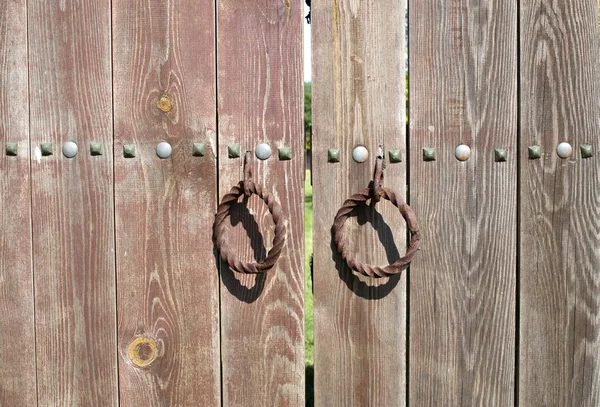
167,280
358,99
260,100
463,90
559,228
17,348
72,212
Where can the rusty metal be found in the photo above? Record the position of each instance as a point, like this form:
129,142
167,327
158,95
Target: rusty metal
221,227
361,198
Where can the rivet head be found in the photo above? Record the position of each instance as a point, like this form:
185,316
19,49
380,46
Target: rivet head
395,156
284,153
463,152
234,151
564,150
263,151
165,104
360,154
96,149
164,150
500,155
129,150
587,151
143,351
333,155
11,149
46,149
198,150
70,149
429,154
535,152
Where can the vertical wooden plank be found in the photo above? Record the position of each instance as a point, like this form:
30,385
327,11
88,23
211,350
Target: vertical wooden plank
260,100
73,233
17,347
167,280
358,99
463,90
560,226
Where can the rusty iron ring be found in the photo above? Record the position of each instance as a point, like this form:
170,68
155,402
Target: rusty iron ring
247,188
374,193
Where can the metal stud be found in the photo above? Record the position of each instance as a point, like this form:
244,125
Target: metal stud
234,151
164,150
587,151
463,152
284,153
96,148
535,152
46,149
395,156
500,155
164,103
70,149
429,154
11,149
198,150
564,150
263,151
333,155
129,150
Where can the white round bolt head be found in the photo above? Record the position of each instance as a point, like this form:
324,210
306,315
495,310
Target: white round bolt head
463,152
164,150
263,151
564,150
70,149
360,154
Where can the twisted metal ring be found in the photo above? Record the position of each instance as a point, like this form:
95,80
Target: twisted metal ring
220,228
407,214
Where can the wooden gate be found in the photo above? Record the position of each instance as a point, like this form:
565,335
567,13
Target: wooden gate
125,124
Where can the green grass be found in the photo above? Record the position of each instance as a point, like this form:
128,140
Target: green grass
309,341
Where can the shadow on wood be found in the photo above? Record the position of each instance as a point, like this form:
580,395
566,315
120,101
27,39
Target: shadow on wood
359,285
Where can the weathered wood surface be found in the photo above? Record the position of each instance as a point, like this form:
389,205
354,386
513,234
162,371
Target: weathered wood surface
260,100
560,226
17,345
167,276
358,99
72,212
463,90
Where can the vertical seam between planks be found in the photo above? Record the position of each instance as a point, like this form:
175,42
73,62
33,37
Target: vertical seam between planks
518,208
112,94
217,165
29,164
407,166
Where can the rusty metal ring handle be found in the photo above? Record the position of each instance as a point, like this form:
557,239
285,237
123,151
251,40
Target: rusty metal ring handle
248,187
407,213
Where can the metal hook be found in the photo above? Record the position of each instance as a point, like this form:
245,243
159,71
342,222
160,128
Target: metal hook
247,173
378,176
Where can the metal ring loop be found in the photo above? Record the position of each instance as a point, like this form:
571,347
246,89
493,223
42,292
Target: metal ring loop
220,227
407,214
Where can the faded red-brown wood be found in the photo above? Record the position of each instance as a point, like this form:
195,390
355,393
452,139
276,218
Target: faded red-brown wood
72,213
17,344
260,100
463,90
167,280
559,362
358,99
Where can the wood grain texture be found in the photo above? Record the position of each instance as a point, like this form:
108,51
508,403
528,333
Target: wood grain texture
167,280
560,201
73,233
463,90
260,100
17,347
358,99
